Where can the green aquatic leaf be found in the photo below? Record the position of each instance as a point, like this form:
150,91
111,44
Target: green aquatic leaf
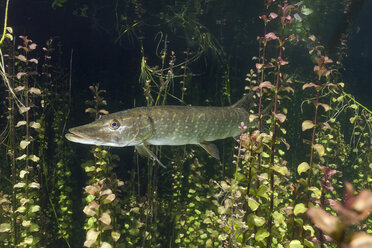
19,185
258,221
22,157
262,190
317,192
261,234
105,245
4,227
295,244
320,149
281,170
23,109
265,155
34,227
105,218
21,123
278,218
91,237
115,235
203,236
35,208
29,240
307,125
22,173
24,143
35,125
21,209
209,243
308,243
253,204
306,11
34,185
34,158
303,167
354,106
33,90
309,228
299,209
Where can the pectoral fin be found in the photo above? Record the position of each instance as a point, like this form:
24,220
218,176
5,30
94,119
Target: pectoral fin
143,150
211,149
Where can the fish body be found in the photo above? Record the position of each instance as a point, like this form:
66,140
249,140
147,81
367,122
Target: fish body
164,125
181,125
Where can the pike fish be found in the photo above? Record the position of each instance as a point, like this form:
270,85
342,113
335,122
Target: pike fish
165,125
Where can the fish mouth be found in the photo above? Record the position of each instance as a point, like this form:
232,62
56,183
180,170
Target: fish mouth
82,136
79,136
73,136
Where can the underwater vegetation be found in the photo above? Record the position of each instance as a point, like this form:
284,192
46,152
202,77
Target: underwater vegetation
298,174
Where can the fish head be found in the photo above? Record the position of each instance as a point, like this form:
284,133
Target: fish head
116,129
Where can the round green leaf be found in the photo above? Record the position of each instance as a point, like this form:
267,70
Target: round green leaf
24,144
35,208
115,235
4,227
253,204
320,149
307,125
295,244
105,245
19,185
21,123
309,228
303,167
278,218
22,173
34,158
34,227
261,234
317,192
299,209
258,221
262,190
281,170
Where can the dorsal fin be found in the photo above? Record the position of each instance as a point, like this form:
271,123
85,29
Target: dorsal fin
246,102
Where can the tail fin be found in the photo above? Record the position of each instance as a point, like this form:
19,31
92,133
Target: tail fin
246,102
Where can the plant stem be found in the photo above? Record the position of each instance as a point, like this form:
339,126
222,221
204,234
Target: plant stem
5,22
12,136
308,182
247,193
273,139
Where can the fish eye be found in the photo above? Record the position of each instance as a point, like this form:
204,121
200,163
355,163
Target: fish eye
114,124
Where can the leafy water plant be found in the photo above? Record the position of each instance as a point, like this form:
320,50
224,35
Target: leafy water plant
24,220
354,210
28,184
101,193
29,214
260,199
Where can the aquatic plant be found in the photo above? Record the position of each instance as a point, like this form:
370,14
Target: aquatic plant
25,217
32,209
102,189
57,195
264,196
354,210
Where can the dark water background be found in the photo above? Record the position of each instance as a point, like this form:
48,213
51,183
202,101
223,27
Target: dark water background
97,58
